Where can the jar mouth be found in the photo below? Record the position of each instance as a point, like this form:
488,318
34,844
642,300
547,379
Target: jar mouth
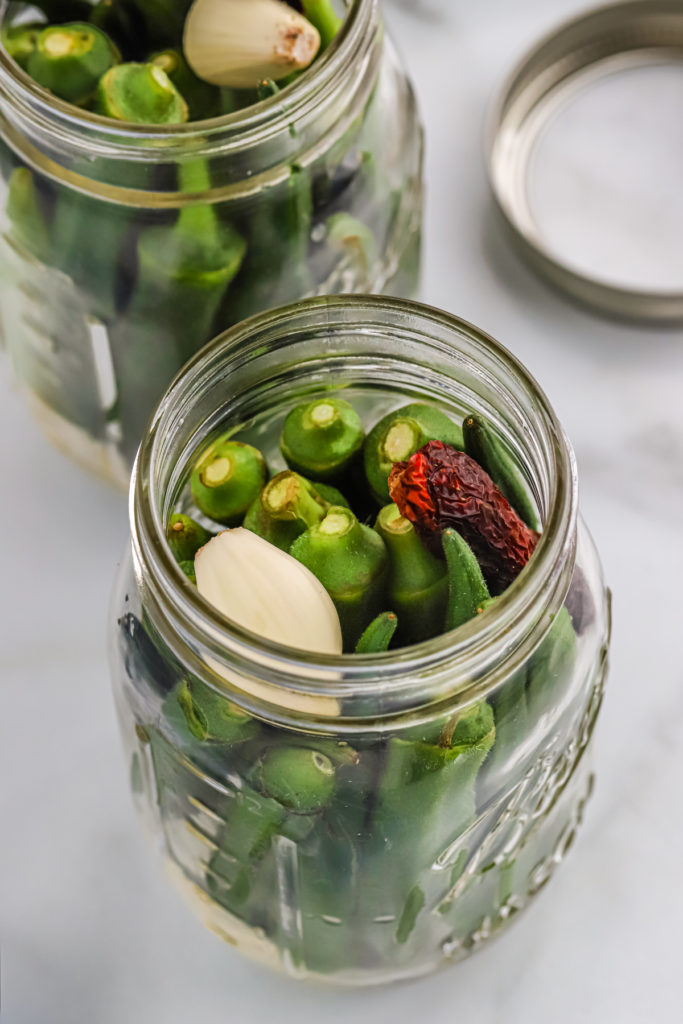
464,664
242,128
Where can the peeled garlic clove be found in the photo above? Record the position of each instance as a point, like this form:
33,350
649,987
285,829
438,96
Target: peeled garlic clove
239,43
266,591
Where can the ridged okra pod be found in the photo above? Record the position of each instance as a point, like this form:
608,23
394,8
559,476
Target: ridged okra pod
321,439
322,14
184,269
350,561
426,799
398,436
379,634
416,581
467,589
483,445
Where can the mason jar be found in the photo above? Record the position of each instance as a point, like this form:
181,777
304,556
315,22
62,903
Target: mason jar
124,248
457,769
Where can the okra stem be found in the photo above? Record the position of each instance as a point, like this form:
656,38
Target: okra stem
286,508
140,94
227,479
322,438
398,436
203,100
20,41
416,585
350,561
322,14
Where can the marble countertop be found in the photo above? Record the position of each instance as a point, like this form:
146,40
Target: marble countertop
91,931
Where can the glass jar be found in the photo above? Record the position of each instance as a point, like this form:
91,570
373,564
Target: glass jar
124,248
460,766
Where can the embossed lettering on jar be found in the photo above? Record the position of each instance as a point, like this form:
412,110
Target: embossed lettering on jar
315,190
448,778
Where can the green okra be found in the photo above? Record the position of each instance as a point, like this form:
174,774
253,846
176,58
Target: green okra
28,224
322,438
71,59
20,41
185,537
227,479
398,436
350,561
140,94
266,89
188,568
378,635
202,98
417,586
467,589
511,714
286,507
426,799
322,15
276,268
551,666
184,270
299,778
484,446
209,716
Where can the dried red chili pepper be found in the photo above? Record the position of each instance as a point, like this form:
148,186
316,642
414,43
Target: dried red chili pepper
441,487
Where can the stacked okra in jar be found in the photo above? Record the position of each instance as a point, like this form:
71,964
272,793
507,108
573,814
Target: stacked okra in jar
411,530
318,557
163,279
169,61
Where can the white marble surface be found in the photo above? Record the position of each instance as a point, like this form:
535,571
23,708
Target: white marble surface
91,932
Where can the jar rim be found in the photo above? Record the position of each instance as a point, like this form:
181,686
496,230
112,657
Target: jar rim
465,663
238,130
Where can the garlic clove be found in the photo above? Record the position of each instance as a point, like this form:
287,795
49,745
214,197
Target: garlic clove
239,43
266,591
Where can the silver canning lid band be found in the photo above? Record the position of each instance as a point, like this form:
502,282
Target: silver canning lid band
604,42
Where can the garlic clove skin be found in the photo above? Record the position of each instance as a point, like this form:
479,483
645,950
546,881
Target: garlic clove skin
266,591
239,43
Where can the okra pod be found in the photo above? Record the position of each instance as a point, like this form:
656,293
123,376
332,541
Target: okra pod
551,665
350,561
184,270
299,778
426,798
398,436
140,94
378,635
20,41
416,583
467,590
286,507
185,537
211,717
322,438
483,445
227,479
203,100
188,568
71,59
